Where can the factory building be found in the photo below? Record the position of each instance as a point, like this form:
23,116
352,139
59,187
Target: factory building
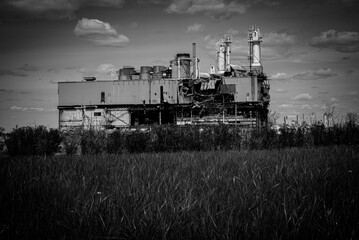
177,94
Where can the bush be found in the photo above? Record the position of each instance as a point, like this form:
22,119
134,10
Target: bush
33,141
173,138
93,142
71,140
116,142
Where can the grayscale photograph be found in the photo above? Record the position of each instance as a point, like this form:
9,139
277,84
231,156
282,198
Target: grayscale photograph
179,119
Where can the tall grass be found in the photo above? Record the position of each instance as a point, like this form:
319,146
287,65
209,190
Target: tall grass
269,194
172,138
33,141
169,138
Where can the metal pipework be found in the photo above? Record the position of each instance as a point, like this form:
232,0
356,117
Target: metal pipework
195,65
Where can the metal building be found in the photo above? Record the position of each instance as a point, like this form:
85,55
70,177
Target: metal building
177,94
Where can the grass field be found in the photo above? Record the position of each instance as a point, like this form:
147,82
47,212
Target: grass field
307,193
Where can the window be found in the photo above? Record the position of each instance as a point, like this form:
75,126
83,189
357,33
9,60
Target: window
103,100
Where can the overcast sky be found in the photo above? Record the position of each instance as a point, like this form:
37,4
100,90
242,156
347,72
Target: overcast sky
310,49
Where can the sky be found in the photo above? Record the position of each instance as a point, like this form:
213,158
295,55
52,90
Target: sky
310,49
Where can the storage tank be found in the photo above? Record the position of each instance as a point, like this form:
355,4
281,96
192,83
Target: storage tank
158,71
122,76
126,72
184,70
145,72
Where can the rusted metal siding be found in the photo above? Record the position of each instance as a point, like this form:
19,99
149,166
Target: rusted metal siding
170,88
117,92
246,88
94,117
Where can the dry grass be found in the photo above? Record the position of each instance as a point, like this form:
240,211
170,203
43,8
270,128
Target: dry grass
278,194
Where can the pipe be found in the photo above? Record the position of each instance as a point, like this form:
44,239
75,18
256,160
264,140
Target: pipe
179,67
194,55
194,50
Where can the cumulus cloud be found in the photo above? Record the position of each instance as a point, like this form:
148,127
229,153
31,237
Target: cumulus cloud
279,39
216,9
281,90
302,97
152,1
50,9
133,25
28,68
239,46
277,45
305,106
99,33
337,41
11,73
233,32
107,69
280,77
12,91
196,27
315,74
286,106
23,109
333,100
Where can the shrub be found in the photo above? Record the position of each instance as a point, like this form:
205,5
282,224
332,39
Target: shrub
71,140
116,142
138,141
33,141
93,142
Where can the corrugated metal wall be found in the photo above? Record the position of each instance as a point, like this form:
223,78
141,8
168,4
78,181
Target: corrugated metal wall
245,88
141,91
116,92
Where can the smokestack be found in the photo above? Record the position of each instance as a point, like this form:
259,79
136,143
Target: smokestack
194,56
194,50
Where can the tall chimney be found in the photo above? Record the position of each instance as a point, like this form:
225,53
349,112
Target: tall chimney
194,57
194,50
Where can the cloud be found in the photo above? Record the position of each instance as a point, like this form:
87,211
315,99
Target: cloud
239,46
276,45
216,9
104,3
286,106
305,106
133,25
107,69
12,91
233,32
280,90
315,74
11,73
26,109
152,1
302,97
99,33
279,39
28,68
333,100
280,77
338,41
196,27
50,9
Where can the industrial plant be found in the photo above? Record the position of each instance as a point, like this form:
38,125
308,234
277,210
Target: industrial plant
175,94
